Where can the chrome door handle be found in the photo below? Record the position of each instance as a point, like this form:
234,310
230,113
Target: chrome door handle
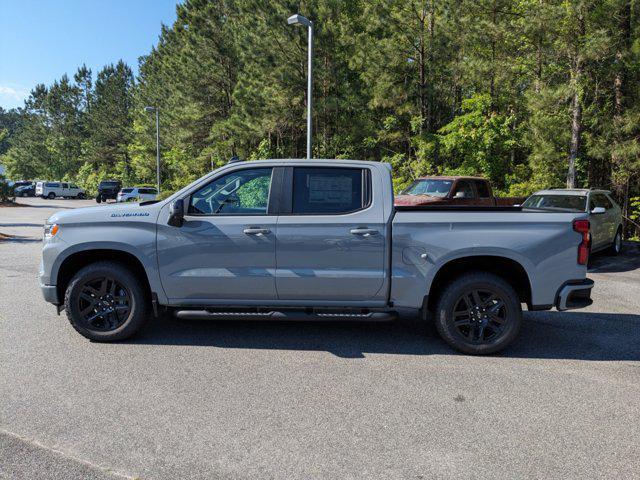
365,232
256,231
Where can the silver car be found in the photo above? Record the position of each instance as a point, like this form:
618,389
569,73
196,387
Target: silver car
605,216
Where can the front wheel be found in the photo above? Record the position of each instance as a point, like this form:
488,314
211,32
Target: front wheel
81,196
616,246
479,313
105,302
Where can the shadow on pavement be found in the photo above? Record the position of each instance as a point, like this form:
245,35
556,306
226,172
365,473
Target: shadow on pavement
628,260
20,224
551,335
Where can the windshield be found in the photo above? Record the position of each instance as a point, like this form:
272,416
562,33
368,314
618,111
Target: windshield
426,186
573,203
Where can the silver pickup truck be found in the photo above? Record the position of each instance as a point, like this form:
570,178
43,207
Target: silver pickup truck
312,240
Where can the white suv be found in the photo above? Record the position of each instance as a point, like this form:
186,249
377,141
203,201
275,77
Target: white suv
142,194
52,190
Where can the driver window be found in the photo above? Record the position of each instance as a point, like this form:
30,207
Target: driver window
463,190
243,192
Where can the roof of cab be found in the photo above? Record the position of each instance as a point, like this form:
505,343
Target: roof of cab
569,191
355,163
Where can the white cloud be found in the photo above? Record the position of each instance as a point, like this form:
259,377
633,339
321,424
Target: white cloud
11,97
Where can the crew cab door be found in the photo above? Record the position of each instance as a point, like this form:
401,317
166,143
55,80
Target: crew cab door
330,236
225,249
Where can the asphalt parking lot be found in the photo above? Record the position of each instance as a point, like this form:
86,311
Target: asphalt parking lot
332,400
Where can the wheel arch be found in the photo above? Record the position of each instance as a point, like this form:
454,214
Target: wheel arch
506,268
72,263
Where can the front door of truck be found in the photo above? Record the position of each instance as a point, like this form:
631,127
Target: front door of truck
331,236
225,250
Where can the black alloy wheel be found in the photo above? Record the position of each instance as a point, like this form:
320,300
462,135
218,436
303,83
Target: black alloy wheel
480,316
104,304
106,301
478,313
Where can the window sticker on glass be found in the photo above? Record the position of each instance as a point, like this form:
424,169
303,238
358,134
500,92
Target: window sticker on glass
329,189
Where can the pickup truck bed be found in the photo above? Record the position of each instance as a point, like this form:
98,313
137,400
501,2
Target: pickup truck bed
312,239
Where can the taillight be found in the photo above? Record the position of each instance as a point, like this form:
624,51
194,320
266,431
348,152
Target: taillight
582,226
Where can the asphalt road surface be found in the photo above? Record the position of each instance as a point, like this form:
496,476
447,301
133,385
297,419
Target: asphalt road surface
247,400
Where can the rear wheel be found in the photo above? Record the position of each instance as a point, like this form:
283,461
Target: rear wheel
51,196
478,313
105,302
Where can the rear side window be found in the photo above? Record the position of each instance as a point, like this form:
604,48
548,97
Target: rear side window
318,191
52,185
464,190
483,189
127,190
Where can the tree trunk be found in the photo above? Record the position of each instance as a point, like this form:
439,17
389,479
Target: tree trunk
576,132
576,108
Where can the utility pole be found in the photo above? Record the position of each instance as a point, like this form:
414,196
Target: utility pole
300,20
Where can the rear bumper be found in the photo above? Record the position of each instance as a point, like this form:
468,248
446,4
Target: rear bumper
574,294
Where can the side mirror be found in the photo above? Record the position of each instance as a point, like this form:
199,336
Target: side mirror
598,210
176,213
460,194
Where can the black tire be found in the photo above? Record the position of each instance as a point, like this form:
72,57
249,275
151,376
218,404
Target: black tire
51,196
98,199
111,326
616,246
80,196
487,329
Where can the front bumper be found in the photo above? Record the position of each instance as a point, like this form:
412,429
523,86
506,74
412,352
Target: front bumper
574,294
50,293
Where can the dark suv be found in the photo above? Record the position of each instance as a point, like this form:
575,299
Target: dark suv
108,189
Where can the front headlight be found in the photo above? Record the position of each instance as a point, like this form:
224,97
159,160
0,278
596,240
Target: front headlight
50,229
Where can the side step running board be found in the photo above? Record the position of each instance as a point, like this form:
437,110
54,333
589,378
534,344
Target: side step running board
285,315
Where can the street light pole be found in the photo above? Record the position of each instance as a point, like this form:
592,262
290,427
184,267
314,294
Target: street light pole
300,20
157,112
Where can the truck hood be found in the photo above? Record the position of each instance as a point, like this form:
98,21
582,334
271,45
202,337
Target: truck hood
411,200
106,213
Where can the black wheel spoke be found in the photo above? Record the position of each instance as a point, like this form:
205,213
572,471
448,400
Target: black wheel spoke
104,304
479,315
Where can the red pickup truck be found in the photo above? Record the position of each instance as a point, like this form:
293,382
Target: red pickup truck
453,191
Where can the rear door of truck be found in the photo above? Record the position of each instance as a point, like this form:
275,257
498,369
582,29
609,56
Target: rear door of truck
330,243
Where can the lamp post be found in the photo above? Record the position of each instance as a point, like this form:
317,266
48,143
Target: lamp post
157,112
300,20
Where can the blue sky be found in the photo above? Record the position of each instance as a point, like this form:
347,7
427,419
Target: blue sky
42,40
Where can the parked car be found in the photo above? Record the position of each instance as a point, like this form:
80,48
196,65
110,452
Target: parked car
20,183
343,252
605,215
452,191
108,190
52,190
138,194
25,190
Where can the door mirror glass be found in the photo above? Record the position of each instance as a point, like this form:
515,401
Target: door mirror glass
598,210
176,213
